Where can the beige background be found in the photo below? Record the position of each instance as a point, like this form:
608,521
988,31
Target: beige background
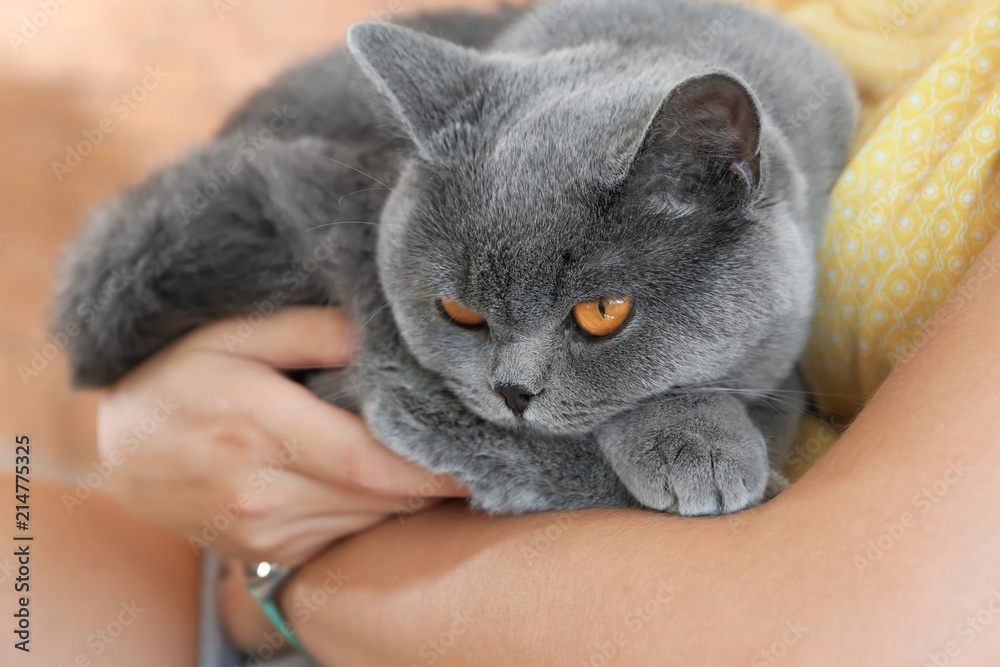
64,80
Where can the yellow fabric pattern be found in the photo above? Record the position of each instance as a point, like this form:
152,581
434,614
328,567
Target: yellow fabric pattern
919,199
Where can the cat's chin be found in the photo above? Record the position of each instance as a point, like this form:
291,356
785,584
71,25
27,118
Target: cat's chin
529,425
533,421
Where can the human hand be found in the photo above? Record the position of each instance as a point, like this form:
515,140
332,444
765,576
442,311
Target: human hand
217,445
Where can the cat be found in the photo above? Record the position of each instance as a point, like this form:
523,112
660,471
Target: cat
578,240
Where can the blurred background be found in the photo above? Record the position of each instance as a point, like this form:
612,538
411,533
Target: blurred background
94,94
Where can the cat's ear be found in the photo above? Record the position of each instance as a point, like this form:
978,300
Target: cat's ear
424,79
702,145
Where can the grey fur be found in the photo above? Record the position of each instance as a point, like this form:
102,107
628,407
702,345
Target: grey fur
600,148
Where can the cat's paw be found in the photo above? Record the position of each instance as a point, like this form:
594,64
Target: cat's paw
695,473
699,458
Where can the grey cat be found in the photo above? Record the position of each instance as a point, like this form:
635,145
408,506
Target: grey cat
579,240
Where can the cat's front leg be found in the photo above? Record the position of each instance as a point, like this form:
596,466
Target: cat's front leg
690,454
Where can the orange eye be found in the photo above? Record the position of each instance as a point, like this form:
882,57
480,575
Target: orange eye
466,318
602,317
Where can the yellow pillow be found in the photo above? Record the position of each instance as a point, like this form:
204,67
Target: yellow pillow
919,199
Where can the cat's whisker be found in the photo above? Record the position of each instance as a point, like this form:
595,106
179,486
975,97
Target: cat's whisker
344,164
357,192
438,310
380,309
331,398
791,392
342,222
777,403
774,401
772,398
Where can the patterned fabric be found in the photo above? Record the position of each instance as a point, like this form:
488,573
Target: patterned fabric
919,199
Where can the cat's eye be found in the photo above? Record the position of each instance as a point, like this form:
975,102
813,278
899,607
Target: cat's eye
602,317
461,315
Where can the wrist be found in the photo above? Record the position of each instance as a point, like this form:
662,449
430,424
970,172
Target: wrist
243,622
307,599
266,582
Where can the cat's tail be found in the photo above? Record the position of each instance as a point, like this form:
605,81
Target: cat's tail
225,232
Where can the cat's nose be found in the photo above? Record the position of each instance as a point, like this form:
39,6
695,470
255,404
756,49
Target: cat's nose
517,397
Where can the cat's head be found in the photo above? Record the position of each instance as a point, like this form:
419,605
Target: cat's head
570,237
